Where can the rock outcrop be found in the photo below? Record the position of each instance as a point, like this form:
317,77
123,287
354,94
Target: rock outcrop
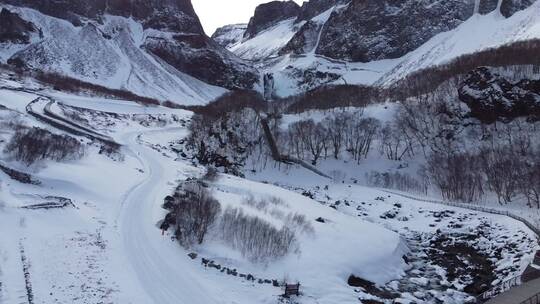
170,15
492,97
311,9
269,14
368,30
229,35
13,29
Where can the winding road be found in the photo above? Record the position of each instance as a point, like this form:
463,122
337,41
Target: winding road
163,272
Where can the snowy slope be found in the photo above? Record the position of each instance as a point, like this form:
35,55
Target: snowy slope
477,33
108,247
229,35
267,43
109,54
295,73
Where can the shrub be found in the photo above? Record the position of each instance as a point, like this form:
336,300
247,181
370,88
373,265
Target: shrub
256,239
211,174
35,144
194,211
233,101
457,176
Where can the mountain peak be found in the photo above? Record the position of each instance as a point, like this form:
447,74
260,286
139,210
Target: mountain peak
268,14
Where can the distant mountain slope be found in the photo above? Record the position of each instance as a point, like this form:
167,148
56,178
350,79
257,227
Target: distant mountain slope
478,33
378,42
229,35
363,31
268,43
160,51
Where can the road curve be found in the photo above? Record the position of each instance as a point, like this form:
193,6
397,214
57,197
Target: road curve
165,274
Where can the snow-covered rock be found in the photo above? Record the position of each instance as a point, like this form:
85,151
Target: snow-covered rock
229,35
156,49
491,96
268,14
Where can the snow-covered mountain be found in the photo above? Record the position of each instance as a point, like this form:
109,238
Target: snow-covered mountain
478,33
363,31
156,48
367,42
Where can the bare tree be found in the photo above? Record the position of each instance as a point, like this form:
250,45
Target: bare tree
393,144
30,145
457,176
313,137
195,210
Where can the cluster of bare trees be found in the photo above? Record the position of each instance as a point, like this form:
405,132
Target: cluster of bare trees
192,211
343,132
456,176
468,176
333,96
399,181
30,145
256,239
467,159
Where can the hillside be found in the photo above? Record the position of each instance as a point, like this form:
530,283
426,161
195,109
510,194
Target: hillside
334,151
163,57
303,55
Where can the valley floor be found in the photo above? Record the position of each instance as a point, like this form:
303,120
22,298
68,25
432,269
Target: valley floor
89,233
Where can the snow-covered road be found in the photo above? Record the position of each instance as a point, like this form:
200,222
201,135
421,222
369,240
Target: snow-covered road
163,272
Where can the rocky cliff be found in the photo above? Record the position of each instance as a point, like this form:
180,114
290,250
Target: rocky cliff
229,35
368,30
13,29
492,97
269,14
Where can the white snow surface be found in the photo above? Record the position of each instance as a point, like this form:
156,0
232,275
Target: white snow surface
109,248
268,42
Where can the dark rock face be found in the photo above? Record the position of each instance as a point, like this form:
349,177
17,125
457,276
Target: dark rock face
229,35
173,15
217,68
304,40
508,7
491,97
367,30
268,14
313,8
373,29
13,29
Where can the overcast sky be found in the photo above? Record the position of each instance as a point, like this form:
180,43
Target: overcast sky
216,13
